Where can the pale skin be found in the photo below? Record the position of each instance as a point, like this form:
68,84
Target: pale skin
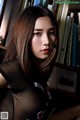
42,42
44,38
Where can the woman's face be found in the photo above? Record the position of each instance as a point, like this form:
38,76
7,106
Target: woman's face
44,38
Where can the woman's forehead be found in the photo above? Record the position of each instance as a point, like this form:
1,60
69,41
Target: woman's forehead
43,22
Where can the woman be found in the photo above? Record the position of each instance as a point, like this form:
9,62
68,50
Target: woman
28,63
27,66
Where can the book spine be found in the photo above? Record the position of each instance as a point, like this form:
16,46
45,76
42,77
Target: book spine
74,46
65,40
78,49
37,2
44,3
62,28
69,46
78,42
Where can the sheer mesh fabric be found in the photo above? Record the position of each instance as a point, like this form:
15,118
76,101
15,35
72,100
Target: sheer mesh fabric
23,100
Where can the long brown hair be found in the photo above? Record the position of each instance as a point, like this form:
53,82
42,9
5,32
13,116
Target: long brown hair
20,43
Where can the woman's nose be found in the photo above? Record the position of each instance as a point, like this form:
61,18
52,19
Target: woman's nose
45,39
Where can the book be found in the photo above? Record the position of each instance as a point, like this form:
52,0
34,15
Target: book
78,42
65,40
69,45
79,18
78,47
37,2
62,27
44,3
23,4
74,46
59,12
50,7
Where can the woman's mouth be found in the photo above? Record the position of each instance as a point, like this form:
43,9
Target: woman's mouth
45,50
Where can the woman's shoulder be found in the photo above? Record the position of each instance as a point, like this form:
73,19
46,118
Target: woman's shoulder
12,74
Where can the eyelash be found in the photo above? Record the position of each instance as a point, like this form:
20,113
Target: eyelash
52,33
37,33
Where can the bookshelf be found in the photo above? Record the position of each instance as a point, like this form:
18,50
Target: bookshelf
65,78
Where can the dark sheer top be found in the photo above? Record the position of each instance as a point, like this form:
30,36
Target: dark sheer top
24,99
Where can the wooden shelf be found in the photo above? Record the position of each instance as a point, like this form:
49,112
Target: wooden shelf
69,68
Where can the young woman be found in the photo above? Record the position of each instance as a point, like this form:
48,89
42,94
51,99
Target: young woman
26,68
28,63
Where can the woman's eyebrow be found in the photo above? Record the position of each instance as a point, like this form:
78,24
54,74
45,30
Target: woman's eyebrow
38,29
52,28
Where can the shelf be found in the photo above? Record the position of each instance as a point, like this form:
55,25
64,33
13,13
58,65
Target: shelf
63,66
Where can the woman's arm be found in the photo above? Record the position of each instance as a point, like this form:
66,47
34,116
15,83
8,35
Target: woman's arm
3,82
67,114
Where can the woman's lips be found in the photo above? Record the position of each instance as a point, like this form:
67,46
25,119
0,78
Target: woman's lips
45,50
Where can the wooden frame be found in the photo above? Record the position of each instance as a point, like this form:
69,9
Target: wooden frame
66,80
63,79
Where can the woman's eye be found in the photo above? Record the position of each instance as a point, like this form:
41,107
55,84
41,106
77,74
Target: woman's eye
37,34
52,33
